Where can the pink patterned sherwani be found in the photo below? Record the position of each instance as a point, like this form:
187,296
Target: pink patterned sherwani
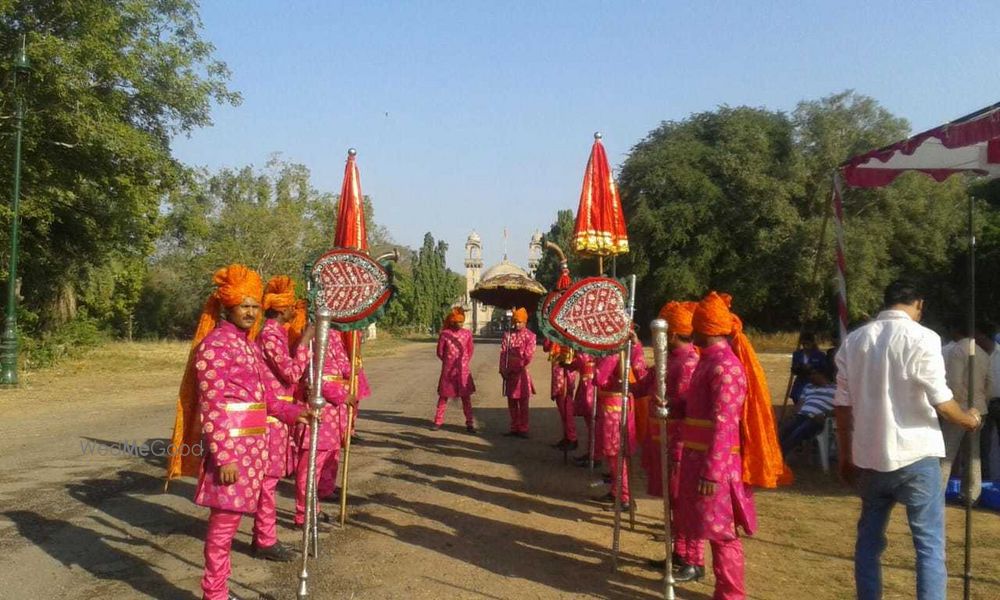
455,351
516,352
332,424
681,363
711,432
234,400
608,378
287,372
563,382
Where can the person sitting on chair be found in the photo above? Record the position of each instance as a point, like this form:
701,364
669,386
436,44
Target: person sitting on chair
815,407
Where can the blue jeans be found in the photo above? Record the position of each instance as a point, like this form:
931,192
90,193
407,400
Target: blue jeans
918,488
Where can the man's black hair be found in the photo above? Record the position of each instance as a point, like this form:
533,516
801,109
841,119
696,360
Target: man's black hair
902,291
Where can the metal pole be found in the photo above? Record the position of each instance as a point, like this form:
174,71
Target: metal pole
316,403
353,391
593,416
659,329
9,345
623,430
967,471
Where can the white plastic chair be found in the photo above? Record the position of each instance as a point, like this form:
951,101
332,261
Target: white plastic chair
827,441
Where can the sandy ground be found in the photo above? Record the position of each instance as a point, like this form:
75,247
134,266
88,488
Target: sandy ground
433,514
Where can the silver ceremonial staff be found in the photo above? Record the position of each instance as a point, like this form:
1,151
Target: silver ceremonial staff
659,329
623,429
316,403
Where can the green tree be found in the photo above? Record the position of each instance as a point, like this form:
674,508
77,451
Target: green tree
709,204
435,288
112,83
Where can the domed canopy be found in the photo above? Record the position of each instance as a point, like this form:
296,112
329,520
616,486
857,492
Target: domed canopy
505,267
474,238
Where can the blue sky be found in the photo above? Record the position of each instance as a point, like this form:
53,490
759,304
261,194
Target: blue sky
480,115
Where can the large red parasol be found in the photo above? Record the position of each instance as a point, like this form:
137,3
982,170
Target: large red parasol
600,222
351,232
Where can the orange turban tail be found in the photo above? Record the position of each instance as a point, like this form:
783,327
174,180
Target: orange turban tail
520,315
233,284
763,464
280,293
678,316
298,323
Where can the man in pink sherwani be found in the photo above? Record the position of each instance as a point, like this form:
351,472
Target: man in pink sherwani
455,350
287,369
516,352
333,425
608,378
713,500
563,382
233,405
682,360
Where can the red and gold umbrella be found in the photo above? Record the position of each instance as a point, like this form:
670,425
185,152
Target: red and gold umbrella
351,233
600,222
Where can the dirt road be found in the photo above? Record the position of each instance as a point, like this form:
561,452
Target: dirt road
433,514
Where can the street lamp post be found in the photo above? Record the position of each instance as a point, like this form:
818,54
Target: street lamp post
8,344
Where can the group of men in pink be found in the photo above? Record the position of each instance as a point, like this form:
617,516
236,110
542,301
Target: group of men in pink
713,377
252,414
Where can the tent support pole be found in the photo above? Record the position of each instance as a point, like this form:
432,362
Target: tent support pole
967,470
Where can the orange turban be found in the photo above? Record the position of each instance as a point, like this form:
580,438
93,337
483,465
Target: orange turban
455,317
520,316
763,464
678,316
232,285
712,316
280,293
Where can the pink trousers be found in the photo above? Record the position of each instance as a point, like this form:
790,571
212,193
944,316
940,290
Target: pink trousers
691,551
518,414
443,404
222,527
590,431
565,406
265,527
302,477
613,467
727,564
327,484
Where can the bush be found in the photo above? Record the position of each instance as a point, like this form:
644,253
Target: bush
72,339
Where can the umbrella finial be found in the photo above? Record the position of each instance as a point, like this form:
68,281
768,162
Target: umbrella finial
598,135
352,152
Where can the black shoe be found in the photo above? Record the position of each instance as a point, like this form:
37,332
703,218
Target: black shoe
625,507
471,429
434,427
572,445
522,434
560,444
277,552
688,573
605,498
333,498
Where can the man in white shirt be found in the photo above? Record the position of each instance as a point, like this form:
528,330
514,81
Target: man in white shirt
891,389
956,364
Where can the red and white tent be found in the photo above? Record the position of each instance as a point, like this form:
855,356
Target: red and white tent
970,144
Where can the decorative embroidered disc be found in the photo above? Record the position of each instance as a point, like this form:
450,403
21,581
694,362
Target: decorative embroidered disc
351,285
590,315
